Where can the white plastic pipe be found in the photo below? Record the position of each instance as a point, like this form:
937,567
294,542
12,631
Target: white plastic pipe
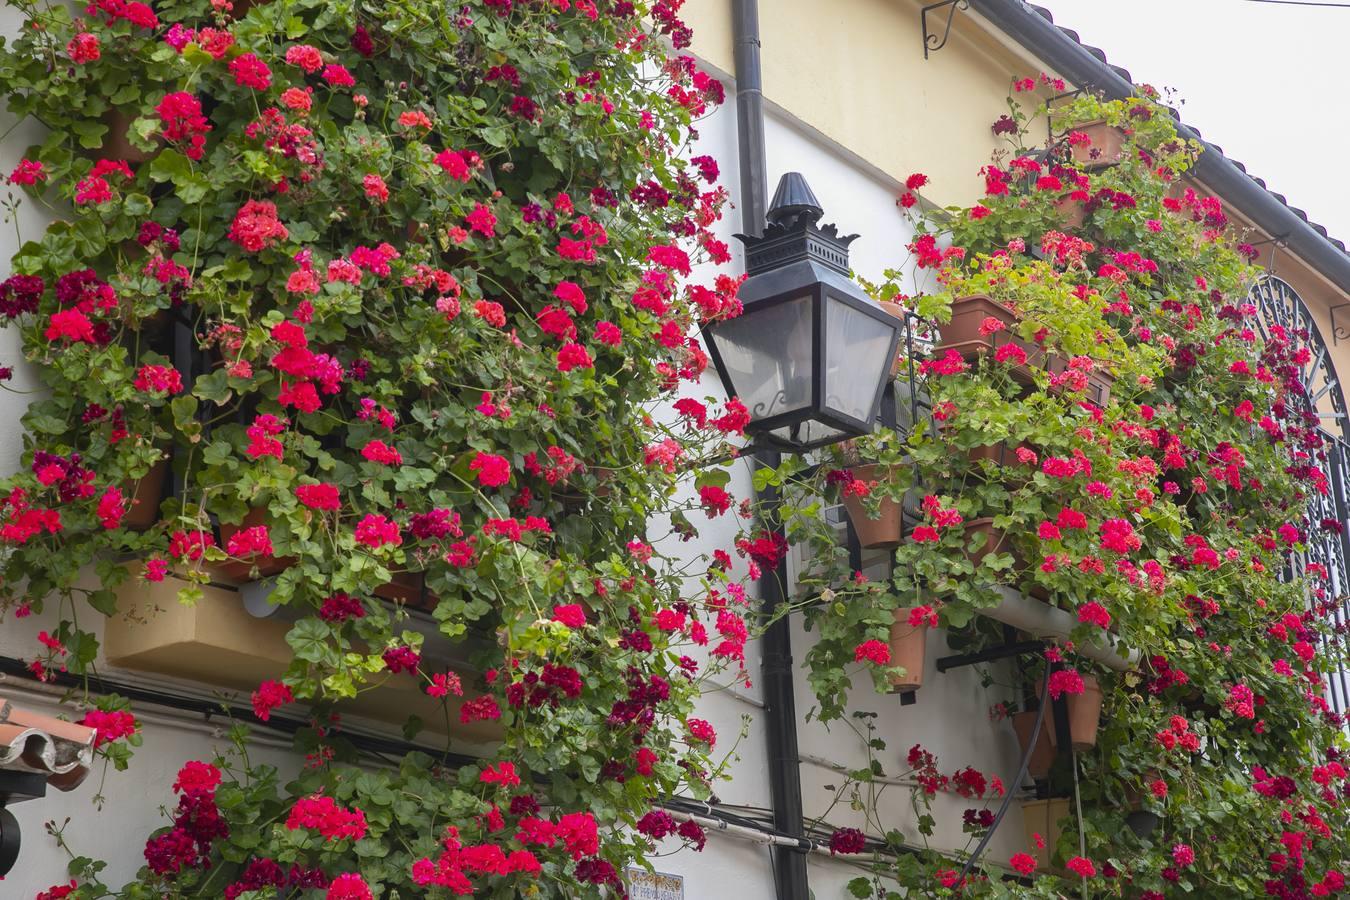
747,834
1042,620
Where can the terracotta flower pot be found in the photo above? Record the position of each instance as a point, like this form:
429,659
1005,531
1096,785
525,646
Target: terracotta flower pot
242,570
1043,817
1106,147
146,494
994,539
241,7
968,314
885,529
908,645
116,143
410,589
1085,715
1100,381
964,334
1044,755
1072,213
1140,820
1001,453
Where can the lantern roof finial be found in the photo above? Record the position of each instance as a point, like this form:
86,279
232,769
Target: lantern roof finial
792,234
794,202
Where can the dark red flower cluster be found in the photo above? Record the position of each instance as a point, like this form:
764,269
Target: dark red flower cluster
196,826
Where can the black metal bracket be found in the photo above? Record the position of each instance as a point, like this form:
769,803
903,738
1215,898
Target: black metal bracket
932,41
1002,651
1049,119
15,787
1338,331
1059,711
9,841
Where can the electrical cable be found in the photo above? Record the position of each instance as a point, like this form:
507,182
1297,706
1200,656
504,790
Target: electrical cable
10,666
1078,803
1016,782
209,708
1303,3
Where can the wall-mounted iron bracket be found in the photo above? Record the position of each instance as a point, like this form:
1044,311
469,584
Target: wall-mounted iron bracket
932,41
1002,651
1339,331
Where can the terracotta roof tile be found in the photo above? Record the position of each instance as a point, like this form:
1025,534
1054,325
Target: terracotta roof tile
32,742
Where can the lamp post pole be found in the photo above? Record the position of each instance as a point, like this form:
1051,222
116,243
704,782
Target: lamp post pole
780,707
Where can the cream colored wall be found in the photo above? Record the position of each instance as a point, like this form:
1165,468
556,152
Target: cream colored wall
855,71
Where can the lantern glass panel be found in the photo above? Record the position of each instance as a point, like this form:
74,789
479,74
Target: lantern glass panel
809,433
767,354
856,352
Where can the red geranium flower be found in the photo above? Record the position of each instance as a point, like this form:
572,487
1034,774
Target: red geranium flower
319,496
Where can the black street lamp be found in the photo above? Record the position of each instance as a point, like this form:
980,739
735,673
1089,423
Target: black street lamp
810,354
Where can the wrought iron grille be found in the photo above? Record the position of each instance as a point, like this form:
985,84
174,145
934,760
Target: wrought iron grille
1328,544
1278,304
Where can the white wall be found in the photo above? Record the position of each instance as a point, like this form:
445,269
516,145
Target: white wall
111,814
950,717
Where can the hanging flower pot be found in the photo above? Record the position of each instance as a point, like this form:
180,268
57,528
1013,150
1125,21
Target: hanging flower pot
242,570
1141,821
1072,213
117,143
241,8
1099,381
995,541
969,335
968,315
908,645
885,529
410,589
1043,756
1042,817
1000,453
145,494
1104,146
1085,715
1099,387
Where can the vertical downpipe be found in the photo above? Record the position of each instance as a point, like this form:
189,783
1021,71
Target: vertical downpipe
750,117
780,709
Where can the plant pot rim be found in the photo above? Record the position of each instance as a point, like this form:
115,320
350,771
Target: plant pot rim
985,298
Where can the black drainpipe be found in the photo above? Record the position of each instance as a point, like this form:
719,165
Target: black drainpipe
750,117
780,708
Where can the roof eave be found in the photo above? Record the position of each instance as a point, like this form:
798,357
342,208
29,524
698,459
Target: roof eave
1086,66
